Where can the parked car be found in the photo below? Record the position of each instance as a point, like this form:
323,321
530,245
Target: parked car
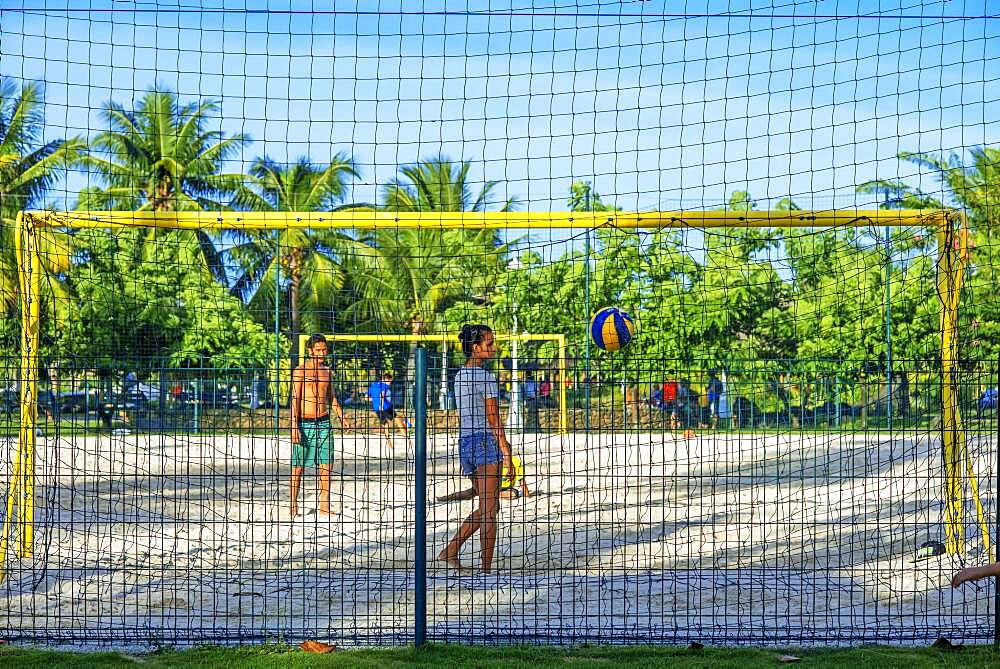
77,401
9,401
139,395
206,395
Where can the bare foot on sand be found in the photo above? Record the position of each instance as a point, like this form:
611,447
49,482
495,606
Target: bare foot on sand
451,560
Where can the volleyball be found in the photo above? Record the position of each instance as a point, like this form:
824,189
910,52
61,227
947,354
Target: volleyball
612,329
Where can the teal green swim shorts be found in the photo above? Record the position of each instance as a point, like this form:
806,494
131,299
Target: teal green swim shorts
315,445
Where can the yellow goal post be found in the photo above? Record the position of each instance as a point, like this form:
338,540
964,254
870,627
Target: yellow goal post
952,247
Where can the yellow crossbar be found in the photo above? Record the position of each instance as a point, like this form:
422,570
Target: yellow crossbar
368,219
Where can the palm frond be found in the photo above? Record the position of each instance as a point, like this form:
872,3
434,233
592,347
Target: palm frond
23,126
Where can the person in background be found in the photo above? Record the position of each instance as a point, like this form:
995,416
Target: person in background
545,391
380,394
714,391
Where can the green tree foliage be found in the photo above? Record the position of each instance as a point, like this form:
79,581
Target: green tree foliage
428,280
28,169
738,293
309,259
154,293
437,184
710,295
136,300
408,278
163,157
974,186
583,197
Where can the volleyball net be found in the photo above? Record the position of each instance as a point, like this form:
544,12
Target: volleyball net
798,446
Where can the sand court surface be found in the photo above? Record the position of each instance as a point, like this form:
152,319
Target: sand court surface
790,539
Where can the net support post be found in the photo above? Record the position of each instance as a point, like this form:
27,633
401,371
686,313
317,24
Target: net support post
953,256
20,490
996,525
420,495
563,423
948,274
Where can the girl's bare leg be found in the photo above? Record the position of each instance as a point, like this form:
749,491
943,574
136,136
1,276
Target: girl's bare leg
489,507
486,483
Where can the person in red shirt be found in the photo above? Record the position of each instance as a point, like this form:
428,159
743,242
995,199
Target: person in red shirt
670,399
670,391
545,390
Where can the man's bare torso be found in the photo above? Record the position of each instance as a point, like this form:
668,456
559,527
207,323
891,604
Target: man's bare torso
315,397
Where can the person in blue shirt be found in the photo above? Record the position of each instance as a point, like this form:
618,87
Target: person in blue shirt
380,393
714,392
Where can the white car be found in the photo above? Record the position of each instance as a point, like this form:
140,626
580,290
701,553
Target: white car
141,393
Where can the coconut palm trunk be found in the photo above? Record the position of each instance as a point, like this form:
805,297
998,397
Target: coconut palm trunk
308,258
295,283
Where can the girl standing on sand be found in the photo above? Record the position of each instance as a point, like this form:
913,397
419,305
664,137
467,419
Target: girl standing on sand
483,448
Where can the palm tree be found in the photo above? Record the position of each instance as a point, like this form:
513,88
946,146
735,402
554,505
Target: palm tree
976,187
163,157
27,170
898,195
410,275
437,184
307,257
583,197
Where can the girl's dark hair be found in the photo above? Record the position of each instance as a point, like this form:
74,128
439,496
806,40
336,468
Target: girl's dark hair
471,335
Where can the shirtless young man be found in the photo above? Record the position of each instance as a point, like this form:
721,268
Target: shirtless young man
312,435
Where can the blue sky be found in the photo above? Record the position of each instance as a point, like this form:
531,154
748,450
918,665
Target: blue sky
661,112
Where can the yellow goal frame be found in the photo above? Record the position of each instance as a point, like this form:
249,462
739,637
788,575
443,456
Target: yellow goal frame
953,254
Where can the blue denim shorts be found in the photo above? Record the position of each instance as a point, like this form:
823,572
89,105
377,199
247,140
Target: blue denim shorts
478,449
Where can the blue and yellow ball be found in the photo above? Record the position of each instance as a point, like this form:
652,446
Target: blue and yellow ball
612,329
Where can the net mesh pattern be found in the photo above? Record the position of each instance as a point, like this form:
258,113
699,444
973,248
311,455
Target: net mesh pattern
766,462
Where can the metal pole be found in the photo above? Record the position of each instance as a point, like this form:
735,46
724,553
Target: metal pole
888,327
586,338
515,417
996,580
443,394
197,397
625,389
277,331
836,395
515,420
420,517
